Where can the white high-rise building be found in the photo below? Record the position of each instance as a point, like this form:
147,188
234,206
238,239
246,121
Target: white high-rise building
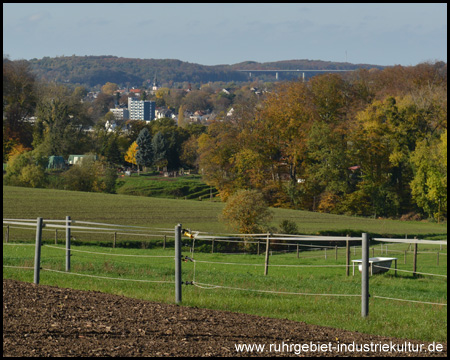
141,109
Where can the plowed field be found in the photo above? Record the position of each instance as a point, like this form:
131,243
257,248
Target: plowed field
50,321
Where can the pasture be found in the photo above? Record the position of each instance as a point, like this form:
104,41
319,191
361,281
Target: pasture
27,203
321,295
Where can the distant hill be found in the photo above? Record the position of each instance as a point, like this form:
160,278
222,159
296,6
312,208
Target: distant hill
97,70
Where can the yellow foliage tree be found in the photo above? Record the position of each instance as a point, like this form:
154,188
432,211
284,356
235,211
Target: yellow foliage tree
130,155
109,88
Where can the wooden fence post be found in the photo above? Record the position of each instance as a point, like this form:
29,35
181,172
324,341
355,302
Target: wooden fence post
336,248
266,266
68,223
212,247
115,238
415,259
297,251
7,233
56,236
347,258
164,242
37,251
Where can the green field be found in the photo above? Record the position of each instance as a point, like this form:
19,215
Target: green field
28,203
244,288
185,187
386,317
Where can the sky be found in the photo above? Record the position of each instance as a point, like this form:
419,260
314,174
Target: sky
229,33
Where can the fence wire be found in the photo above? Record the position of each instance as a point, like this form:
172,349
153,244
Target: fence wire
225,238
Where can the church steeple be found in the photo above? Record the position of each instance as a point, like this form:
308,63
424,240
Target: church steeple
155,84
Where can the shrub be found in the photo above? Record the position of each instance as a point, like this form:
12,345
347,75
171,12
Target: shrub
247,212
288,227
32,176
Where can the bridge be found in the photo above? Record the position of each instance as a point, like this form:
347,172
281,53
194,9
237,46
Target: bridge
294,70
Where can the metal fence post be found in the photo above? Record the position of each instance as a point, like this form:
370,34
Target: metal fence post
365,276
37,252
68,223
178,264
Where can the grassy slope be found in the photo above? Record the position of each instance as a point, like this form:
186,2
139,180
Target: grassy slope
197,215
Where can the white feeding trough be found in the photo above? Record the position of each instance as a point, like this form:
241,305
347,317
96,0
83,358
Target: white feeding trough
377,265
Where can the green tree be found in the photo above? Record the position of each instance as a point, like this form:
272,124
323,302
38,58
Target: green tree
81,177
144,153
429,185
26,169
159,145
61,121
113,153
326,168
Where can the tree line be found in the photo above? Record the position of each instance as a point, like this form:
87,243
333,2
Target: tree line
370,142
94,71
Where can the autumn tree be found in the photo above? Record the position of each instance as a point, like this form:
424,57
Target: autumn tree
109,88
247,212
130,155
19,102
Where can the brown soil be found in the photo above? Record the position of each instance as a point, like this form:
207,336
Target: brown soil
50,321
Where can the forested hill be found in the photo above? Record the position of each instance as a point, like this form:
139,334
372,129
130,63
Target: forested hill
97,70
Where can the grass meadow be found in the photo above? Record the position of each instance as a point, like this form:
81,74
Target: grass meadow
148,184
233,282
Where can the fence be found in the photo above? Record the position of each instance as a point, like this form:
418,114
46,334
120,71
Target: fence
272,241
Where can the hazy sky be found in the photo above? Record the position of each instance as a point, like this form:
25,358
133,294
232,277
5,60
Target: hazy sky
220,33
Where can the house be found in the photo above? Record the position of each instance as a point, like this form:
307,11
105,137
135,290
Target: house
114,125
163,113
197,117
77,159
136,92
120,113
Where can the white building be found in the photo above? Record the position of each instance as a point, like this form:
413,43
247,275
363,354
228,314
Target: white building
120,113
141,109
